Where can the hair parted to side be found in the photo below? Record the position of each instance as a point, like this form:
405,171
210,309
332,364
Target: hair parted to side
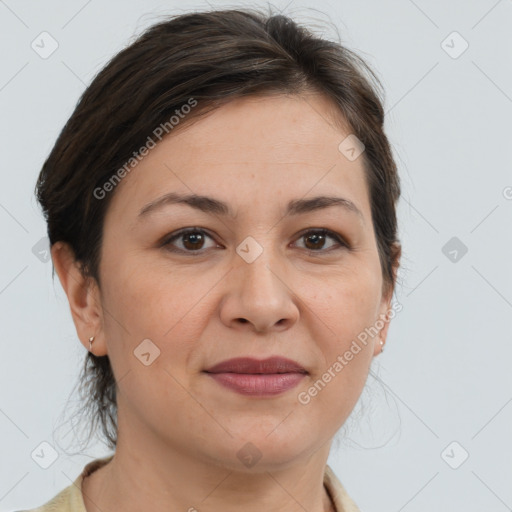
213,57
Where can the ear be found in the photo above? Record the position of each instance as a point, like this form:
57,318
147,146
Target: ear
385,309
83,296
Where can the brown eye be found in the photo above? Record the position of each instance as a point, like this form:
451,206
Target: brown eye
191,240
315,240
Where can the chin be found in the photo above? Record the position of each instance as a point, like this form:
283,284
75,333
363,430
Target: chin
257,450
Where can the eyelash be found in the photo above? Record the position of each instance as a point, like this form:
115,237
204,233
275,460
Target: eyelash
342,244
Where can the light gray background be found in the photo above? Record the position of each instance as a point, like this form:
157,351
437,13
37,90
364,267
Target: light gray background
445,375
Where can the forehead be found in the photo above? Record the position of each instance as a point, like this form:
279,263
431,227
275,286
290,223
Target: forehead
271,145
281,123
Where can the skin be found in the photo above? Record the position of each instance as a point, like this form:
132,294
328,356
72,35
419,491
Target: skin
180,431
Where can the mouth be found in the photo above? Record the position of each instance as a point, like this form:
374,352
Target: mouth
258,378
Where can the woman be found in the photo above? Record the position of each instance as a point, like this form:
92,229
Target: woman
221,213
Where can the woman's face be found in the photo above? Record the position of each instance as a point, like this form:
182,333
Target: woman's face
255,282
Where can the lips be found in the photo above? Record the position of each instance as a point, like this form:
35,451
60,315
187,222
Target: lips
248,365
256,378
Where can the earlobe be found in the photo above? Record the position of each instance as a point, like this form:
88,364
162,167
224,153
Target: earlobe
382,324
83,297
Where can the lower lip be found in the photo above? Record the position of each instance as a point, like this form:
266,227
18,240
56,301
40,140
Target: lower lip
258,384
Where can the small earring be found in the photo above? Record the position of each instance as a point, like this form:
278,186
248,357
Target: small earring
381,345
91,339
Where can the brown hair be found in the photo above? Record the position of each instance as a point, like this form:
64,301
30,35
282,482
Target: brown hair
213,57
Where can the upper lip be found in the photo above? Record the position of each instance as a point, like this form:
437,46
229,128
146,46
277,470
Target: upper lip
250,365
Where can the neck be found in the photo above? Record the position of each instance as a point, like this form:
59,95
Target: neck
143,474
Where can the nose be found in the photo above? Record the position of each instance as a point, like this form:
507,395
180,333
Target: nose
259,297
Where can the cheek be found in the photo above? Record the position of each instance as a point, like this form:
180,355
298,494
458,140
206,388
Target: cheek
340,319
341,316
346,302
146,301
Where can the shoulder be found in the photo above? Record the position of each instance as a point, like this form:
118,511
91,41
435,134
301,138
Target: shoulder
342,501
70,498
66,500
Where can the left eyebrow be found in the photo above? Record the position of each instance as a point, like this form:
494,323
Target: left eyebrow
210,205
